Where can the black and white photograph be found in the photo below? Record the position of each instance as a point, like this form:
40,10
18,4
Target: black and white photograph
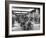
25,18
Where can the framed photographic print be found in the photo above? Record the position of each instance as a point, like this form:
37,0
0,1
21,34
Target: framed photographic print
24,18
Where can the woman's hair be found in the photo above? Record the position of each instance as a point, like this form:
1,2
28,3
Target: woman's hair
33,11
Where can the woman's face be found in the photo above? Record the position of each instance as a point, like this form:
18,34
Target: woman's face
36,13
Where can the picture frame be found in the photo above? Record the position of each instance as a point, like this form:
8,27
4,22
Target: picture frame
13,7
